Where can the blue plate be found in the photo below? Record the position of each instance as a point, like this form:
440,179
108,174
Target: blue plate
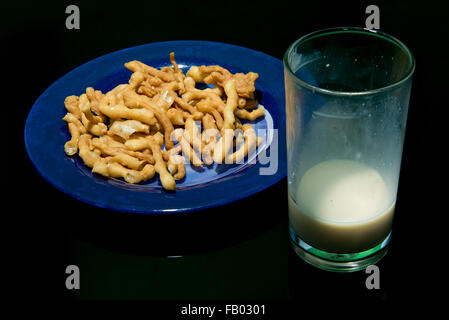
204,187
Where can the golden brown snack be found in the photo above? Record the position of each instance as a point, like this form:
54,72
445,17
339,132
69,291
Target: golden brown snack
193,136
165,99
241,102
180,166
88,156
142,67
245,84
110,147
209,136
70,118
217,75
189,84
205,107
119,154
178,74
135,98
223,145
134,82
216,101
116,170
175,162
118,89
231,105
71,146
121,111
237,123
174,159
128,161
167,180
137,143
126,128
251,104
129,132
71,104
249,115
208,122
101,166
158,138
197,75
176,116
248,146
148,91
92,123
94,97
187,150
189,108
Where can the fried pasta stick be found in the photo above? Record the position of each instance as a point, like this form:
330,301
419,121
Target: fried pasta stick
116,170
189,83
148,91
126,128
215,100
223,145
175,162
88,156
180,166
231,105
110,147
121,111
96,128
178,74
197,75
191,131
187,150
128,161
142,67
160,115
111,166
94,97
71,146
217,75
71,104
249,145
209,137
118,155
205,107
164,101
167,180
176,116
192,135
247,115
189,108
70,118
129,131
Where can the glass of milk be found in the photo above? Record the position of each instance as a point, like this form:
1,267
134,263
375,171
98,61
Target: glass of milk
347,96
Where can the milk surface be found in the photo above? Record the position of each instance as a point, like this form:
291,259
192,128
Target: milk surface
341,206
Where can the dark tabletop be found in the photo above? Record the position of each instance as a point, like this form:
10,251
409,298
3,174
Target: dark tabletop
240,250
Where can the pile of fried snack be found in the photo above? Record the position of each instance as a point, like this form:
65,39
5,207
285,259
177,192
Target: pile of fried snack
130,131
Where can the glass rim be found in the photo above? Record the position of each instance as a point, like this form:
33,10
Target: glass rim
353,30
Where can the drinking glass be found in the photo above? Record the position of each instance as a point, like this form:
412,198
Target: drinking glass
347,96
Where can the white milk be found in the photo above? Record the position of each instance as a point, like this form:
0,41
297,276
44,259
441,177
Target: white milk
341,206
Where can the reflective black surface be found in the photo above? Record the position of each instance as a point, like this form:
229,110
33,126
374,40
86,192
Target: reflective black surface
240,251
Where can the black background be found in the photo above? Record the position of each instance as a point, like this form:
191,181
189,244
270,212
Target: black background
46,230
